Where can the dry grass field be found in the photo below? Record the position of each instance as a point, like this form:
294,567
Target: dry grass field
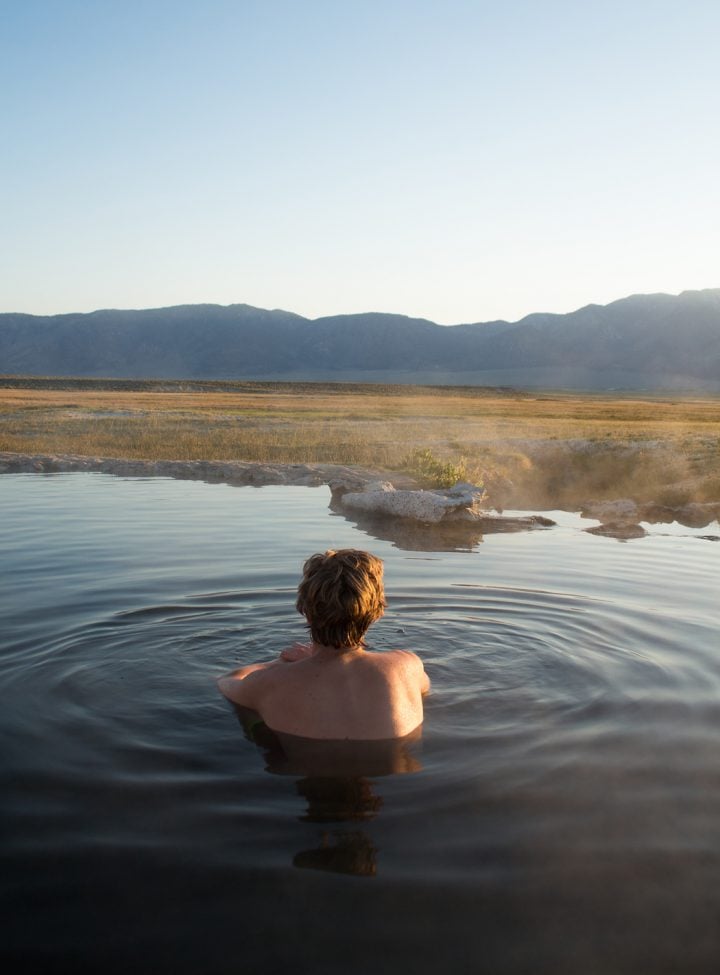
528,448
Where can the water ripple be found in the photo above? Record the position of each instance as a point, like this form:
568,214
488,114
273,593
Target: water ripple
573,723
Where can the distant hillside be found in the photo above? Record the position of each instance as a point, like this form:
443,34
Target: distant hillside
641,342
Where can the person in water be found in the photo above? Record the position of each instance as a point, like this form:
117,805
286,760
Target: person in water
334,687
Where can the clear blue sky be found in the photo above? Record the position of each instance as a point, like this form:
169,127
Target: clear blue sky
455,160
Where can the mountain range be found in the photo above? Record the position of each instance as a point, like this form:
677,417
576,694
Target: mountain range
643,342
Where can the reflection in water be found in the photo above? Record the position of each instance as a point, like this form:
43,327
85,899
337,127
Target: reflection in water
417,536
351,852
335,781
410,535
337,800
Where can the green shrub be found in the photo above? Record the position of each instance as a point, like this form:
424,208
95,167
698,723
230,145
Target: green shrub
431,469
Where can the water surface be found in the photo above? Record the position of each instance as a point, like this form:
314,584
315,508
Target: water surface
561,814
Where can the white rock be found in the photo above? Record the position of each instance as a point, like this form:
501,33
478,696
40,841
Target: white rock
623,510
428,506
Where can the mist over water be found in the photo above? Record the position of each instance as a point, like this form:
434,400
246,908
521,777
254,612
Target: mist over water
560,814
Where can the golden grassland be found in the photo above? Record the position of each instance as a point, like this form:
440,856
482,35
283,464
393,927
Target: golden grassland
530,447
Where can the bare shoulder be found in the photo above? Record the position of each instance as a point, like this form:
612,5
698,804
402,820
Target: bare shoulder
414,665
248,686
407,657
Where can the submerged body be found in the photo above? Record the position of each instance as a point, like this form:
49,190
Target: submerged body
324,692
334,688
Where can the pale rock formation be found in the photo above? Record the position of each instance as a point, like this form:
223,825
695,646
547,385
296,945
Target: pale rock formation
212,471
460,503
621,511
629,514
697,515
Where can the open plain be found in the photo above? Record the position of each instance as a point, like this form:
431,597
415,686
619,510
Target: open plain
529,449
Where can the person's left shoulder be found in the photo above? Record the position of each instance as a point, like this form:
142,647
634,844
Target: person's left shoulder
408,656
415,665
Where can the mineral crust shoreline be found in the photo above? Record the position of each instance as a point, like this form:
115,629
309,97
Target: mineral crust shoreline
236,472
618,517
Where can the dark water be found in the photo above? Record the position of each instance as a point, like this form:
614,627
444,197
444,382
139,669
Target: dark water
563,809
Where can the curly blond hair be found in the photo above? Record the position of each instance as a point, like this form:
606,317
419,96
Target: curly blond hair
340,595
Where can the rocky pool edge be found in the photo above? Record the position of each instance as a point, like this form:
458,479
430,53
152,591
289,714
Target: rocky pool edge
618,516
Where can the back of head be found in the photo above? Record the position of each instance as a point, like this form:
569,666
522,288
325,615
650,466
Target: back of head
340,595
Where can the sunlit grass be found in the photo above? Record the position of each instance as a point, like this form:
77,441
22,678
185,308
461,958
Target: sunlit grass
539,447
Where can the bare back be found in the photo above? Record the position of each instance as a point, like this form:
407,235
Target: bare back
353,694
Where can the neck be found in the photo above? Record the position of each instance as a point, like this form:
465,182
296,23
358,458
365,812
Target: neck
322,651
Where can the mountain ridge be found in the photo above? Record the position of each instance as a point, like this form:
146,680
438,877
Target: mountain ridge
638,342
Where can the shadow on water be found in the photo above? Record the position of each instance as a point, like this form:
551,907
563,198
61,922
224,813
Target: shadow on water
335,778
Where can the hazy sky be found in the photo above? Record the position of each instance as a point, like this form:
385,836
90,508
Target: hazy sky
454,160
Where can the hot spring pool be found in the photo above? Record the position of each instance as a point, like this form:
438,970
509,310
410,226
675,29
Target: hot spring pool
563,808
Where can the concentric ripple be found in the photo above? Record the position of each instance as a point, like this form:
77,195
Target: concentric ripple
570,739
